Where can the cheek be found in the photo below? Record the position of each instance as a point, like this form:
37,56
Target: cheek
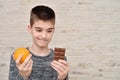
50,35
35,34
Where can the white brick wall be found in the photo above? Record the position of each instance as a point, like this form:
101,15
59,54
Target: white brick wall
89,29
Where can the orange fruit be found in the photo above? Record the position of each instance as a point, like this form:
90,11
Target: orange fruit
21,51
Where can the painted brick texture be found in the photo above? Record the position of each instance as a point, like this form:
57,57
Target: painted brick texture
88,29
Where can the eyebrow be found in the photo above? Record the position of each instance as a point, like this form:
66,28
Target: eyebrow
42,28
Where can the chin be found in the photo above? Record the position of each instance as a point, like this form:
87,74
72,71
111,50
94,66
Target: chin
42,46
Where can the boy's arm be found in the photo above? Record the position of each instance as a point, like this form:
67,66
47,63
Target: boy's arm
13,71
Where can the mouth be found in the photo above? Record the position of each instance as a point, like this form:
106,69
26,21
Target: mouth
42,40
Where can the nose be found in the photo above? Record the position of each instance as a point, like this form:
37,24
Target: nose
44,35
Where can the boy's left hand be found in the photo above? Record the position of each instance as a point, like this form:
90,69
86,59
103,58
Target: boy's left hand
62,67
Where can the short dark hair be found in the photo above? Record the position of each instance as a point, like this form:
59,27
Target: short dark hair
42,13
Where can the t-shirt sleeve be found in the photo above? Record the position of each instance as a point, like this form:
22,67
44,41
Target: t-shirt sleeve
13,71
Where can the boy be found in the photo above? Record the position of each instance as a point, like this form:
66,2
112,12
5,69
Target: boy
39,65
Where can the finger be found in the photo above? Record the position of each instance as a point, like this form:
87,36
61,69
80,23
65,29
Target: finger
66,65
63,62
18,60
27,60
56,69
61,65
29,64
28,67
58,66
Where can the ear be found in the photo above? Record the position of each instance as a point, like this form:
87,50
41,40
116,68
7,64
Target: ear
29,29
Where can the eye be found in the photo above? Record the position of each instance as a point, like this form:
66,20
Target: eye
49,31
39,30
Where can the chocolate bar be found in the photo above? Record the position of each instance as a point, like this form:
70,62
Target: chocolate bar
59,53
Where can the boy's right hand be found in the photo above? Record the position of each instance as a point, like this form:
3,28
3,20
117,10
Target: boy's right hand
26,67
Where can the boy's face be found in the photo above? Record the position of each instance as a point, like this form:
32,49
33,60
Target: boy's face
42,32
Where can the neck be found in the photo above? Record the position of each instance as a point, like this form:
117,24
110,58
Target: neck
39,51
